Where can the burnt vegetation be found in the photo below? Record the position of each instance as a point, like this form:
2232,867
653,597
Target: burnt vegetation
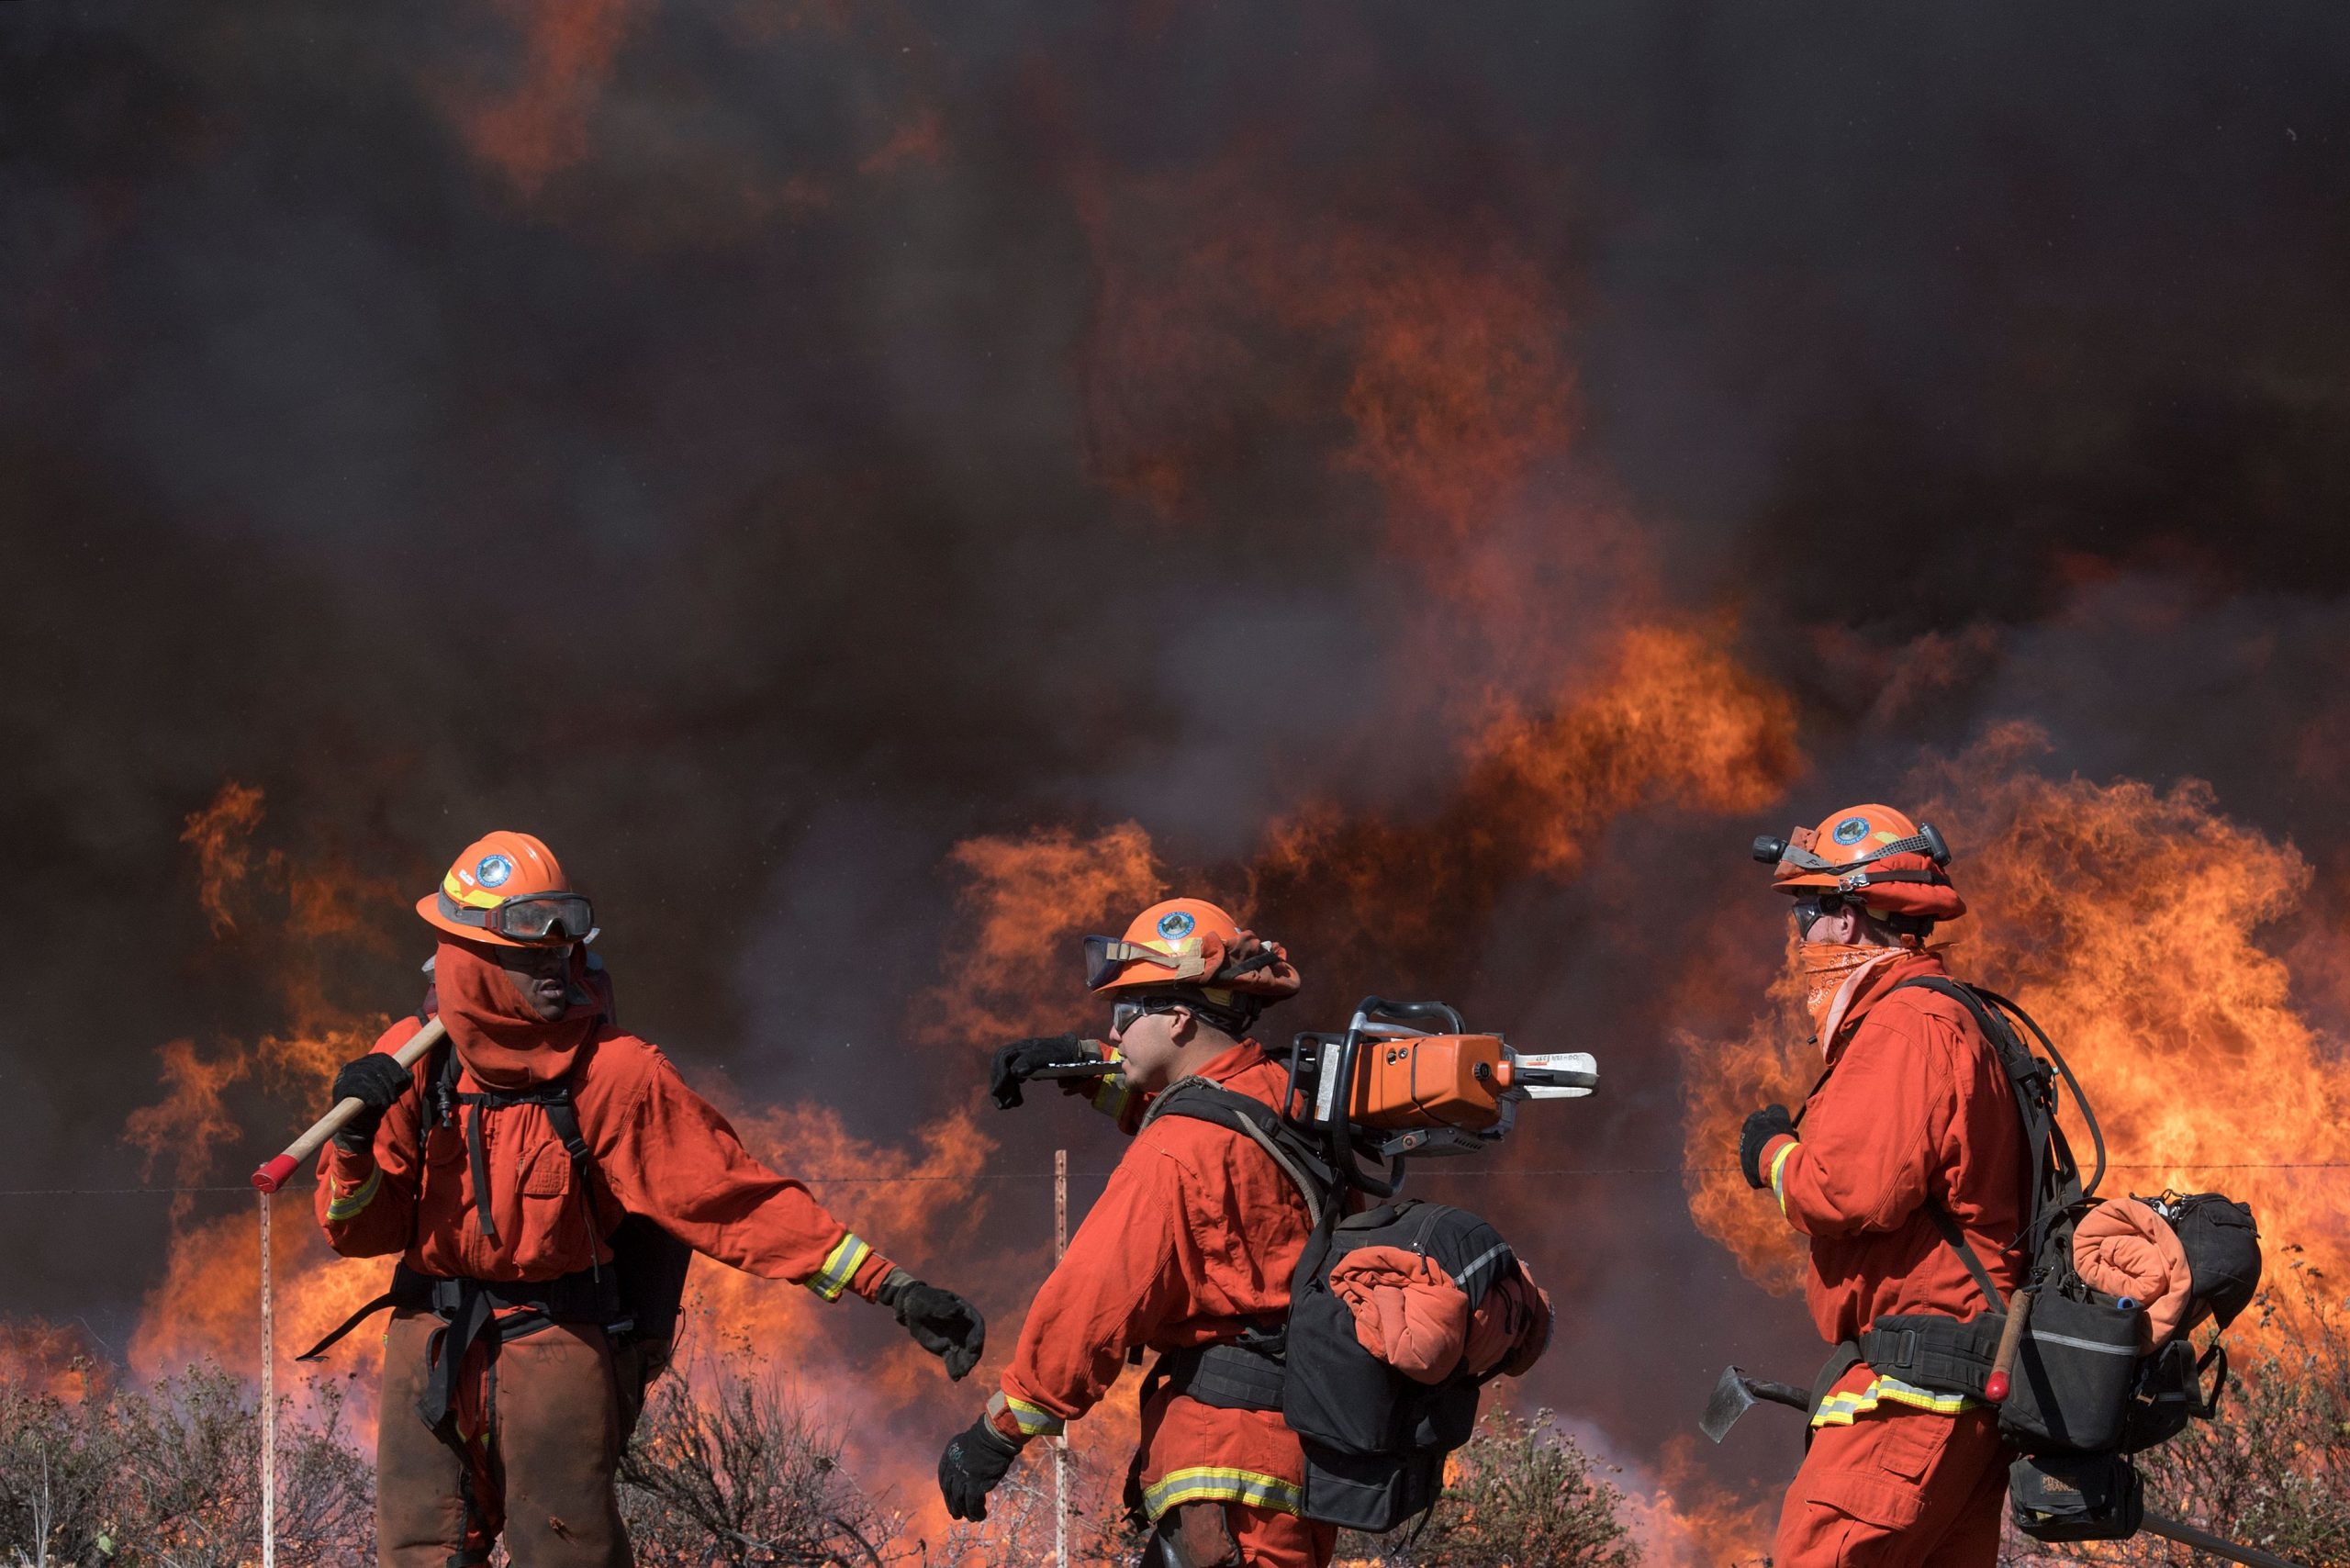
730,1469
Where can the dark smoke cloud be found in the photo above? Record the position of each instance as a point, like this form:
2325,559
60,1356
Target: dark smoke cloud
728,505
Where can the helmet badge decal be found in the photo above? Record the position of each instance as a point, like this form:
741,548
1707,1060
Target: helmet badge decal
1175,924
493,869
1852,830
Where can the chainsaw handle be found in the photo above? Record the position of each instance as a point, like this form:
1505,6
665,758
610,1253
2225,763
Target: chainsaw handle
273,1175
1444,1012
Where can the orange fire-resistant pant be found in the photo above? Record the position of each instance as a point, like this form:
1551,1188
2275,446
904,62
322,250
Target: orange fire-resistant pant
1264,1539
1897,1488
540,1428
1280,1541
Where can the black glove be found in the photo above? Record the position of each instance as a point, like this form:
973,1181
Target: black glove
1015,1062
376,1081
1760,1128
973,1463
941,1322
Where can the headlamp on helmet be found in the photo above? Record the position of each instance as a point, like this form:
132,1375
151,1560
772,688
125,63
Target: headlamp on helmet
1868,855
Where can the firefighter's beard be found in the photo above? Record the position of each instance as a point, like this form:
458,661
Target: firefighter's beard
1833,973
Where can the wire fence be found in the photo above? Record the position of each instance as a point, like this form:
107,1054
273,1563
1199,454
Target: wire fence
1485,1173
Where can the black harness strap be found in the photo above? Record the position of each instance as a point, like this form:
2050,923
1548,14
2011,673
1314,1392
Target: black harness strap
1948,1225
553,1098
410,1289
445,1352
1246,1374
563,1117
1206,1100
480,1159
474,1311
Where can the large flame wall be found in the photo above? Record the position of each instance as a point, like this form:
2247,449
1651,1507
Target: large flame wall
886,489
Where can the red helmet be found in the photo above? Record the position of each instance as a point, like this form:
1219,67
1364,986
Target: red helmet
505,889
1191,944
1872,853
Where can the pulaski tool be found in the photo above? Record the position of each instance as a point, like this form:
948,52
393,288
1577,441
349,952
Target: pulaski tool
273,1175
1738,1393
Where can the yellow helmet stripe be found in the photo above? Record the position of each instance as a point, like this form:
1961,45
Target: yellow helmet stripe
472,898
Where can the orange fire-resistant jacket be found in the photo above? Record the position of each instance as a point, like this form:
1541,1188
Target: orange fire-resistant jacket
1194,1238
1915,1107
656,1148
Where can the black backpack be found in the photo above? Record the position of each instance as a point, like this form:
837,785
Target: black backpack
1375,1439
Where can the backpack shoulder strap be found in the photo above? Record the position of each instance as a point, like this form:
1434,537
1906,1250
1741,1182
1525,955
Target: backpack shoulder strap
563,1114
2050,1180
1205,1100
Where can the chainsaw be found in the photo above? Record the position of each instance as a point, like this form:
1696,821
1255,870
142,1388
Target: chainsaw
1404,1079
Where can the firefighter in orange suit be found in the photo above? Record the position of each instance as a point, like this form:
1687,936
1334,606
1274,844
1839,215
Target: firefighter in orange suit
1193,1242
1912,1126
498,1169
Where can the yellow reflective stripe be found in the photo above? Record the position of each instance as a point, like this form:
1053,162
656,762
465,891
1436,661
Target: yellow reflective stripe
475,897
1778,1184
1840,1409
839,1267
1033,1420
351,1202
1112,1098
1216,1483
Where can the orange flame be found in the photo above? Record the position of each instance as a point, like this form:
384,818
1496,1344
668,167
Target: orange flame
222,833
1669,719
191,1121
1687,1521
1027,900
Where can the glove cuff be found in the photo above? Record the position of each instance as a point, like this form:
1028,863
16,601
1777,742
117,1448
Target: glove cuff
986,1432
895,1283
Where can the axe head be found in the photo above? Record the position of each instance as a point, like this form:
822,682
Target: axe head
1732,1398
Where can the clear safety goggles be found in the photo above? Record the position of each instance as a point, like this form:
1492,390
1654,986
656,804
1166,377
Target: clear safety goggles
1105,956
530,917
1124,1016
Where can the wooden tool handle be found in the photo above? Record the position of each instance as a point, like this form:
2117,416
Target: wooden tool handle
273,1175
1995,1387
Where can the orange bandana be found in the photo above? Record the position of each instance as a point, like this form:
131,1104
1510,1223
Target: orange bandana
1833,973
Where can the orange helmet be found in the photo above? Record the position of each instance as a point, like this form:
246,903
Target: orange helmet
505,888
1873,855
1191,944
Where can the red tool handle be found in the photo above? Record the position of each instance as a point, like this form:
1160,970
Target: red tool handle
273,1175
1995,1387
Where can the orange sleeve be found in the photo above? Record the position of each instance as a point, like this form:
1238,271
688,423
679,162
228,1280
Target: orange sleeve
1112,1291
366,1202
1866,1150
672,1157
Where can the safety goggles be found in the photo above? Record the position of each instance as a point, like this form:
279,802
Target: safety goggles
1809,909
1105,956
1124,1016
530,917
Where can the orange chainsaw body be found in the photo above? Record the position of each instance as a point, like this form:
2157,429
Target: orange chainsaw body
1446,1080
